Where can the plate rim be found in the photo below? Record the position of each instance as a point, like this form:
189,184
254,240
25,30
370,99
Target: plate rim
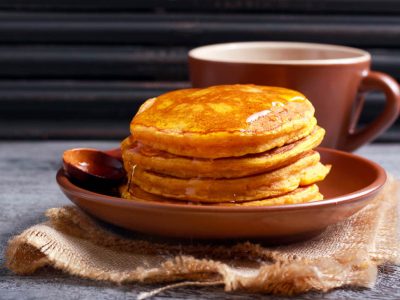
67,186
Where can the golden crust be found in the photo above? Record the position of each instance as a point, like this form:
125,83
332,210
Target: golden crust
300,195
223,121
135,153
305,170
235,145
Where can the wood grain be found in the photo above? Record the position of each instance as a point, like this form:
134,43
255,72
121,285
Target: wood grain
43,109
196,29
28,188
119,62
70,63
304,6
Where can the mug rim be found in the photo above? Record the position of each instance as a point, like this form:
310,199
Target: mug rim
360,55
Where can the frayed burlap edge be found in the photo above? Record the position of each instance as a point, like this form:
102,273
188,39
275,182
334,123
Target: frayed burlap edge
45,244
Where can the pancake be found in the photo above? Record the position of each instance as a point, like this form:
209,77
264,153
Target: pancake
304,194
149,158
223,121
304,171
300,195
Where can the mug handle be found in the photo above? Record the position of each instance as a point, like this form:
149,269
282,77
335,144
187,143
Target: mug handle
372,82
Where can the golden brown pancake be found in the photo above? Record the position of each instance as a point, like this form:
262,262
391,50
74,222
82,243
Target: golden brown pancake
306,170
240,145
302,194
223,121
149,158
299,195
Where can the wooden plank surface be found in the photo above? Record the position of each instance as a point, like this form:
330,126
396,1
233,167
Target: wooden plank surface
65,64
93,62
28,188
41,100
123,62
44,109
196,29
294,6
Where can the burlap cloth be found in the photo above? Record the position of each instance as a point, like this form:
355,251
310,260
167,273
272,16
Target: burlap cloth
347,254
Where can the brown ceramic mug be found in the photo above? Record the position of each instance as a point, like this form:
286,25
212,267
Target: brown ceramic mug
333,78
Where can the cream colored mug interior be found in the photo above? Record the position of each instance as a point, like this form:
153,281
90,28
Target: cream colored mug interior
280,53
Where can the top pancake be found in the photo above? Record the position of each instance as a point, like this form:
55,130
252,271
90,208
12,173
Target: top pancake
223,121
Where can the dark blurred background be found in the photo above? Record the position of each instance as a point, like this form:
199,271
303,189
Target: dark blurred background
80,68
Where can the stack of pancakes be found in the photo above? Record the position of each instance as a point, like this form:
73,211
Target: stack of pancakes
225,145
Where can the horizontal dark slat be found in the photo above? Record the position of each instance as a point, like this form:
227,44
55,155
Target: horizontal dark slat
77,99
27,87
144,43
95,109
386,60
309,6
64,128
181,29
143,63
99,99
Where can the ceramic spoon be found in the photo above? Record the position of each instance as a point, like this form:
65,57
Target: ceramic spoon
93,166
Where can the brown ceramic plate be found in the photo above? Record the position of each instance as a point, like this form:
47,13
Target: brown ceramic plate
351,184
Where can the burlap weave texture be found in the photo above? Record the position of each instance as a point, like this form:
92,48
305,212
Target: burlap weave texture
345,254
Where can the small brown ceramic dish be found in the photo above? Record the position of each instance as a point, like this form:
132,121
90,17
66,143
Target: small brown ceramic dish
351,184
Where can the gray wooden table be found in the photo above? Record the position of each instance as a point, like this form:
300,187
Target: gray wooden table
28,188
